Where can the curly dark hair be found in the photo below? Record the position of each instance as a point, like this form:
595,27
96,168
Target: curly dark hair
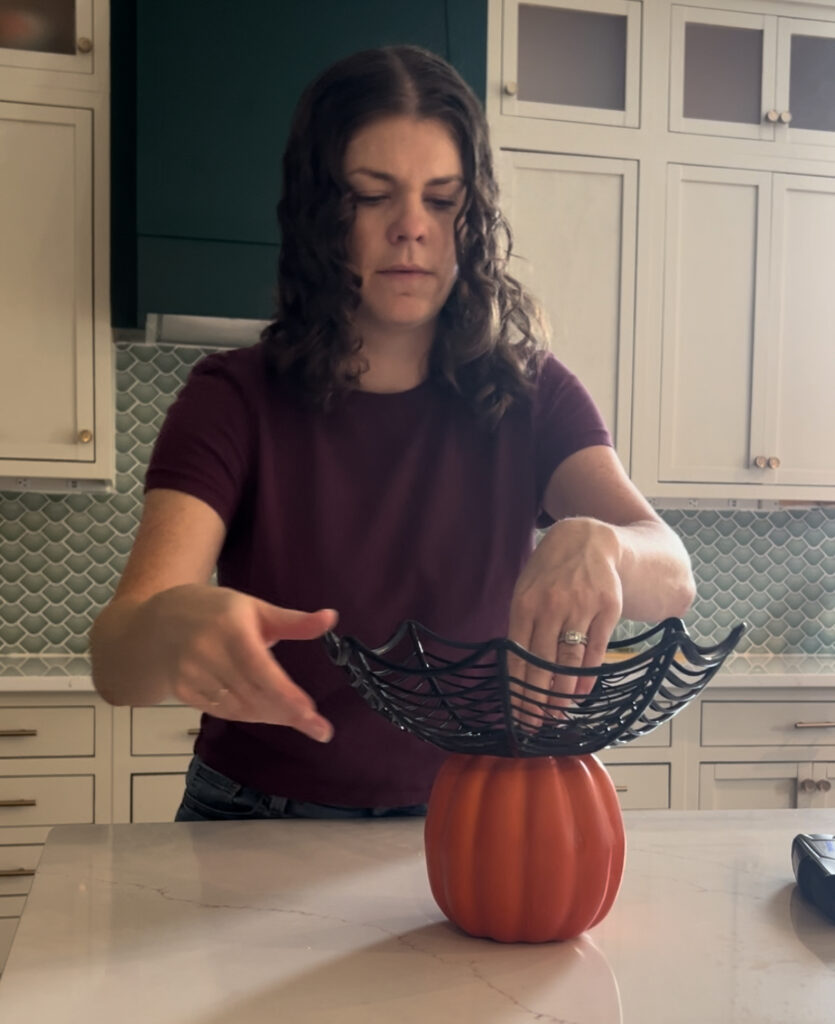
488,342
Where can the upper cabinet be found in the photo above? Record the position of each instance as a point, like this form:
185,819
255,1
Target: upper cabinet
54,43
748,360
572,61
57,421
752,76
574,230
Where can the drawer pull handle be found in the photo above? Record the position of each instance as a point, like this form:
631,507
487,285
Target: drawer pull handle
18,732
193,732
16,872
808,786
814,725
21,802
621,789
824,785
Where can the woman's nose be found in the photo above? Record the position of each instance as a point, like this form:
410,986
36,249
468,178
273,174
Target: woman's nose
409,223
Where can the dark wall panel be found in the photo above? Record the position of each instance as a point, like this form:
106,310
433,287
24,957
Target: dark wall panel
215,87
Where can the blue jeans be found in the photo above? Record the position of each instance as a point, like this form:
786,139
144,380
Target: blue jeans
211,796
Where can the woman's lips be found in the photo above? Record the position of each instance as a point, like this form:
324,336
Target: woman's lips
405,272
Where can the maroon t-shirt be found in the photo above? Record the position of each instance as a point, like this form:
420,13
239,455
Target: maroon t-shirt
387,507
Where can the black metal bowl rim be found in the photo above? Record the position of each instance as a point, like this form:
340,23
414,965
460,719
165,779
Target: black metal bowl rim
674,636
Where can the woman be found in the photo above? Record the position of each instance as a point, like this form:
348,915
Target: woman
383,453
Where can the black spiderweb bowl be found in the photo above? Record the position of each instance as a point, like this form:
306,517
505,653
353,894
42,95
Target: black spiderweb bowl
463,698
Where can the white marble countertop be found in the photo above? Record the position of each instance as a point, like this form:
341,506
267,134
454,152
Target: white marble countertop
45,673
333,923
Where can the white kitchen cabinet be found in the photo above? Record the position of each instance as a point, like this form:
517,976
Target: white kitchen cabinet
765,749
732,786
642,787
57,419
62,44
572,61
751,75
55,769
747,355
574,228
152,750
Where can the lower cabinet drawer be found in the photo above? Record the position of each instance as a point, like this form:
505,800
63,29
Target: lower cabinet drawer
641,787
47,732
17,868
163,730
8,926
46,800
156,797
11,906
768,723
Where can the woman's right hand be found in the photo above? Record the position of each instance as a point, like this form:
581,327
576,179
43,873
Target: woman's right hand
214,645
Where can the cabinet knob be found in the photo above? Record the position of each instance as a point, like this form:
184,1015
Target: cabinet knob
824,785
773,462
808,785
772,116
85,436
84,45
761,462
786,116
511,88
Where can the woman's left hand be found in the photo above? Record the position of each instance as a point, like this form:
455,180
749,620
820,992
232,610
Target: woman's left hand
569,586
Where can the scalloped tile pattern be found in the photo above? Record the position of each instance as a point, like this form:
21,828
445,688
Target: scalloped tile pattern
60,556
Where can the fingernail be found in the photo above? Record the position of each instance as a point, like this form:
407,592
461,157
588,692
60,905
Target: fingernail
321,732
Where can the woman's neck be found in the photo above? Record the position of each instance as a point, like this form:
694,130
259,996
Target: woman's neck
396,362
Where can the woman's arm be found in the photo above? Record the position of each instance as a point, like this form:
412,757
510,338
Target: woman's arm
607,555
168,632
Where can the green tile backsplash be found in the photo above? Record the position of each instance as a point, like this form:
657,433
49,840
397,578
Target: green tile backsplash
60,556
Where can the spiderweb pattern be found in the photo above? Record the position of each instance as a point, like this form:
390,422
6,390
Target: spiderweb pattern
464,698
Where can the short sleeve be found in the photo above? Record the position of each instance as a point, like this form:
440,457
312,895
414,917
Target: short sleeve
205,447
566,420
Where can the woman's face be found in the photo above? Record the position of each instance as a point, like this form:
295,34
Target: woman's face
407,182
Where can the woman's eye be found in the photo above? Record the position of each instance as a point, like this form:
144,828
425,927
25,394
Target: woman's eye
368,200
441,204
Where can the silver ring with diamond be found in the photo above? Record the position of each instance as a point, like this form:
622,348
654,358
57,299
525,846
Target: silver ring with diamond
572,637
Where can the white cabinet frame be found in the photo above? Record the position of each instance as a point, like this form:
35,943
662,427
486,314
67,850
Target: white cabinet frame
514,107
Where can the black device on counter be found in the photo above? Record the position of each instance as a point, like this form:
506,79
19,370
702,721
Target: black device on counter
813,860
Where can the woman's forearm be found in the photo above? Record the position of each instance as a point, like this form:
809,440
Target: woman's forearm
654,570
123,655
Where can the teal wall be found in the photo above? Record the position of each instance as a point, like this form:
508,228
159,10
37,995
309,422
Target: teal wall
203,93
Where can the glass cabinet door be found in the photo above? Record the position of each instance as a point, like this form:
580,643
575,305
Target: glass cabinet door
54,35
45,26
565,62
722,73
806,80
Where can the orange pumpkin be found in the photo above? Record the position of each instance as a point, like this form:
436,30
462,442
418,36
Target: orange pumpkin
524,849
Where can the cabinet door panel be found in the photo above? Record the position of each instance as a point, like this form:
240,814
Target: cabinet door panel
46,266
714,305
574,62
156,797
573,222
722,76
824,778
806,80
52,41
735,787
801,409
